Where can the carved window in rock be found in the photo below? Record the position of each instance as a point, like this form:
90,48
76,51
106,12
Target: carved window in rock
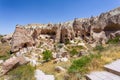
25,45
83,36
88,34
15,47
66,35
76,35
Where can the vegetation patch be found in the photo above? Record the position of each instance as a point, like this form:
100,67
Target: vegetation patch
114,41
80,65
93,62
1,37
4,51
6,56
25,72
73,52
99,48
77,48
47,55
67,41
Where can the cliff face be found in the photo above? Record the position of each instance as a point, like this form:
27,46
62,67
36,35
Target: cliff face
93,30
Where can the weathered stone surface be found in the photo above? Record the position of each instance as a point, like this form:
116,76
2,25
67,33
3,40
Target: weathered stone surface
59,69
92,30
115,34
21,38
6,38
11,63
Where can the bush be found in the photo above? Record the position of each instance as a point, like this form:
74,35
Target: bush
114,41
67,41
47,55
25,72
99,48
80,65
73,52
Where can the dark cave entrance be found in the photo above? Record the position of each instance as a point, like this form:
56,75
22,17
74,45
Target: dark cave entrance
25,45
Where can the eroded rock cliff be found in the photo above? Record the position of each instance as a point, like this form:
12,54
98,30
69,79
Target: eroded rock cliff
92,30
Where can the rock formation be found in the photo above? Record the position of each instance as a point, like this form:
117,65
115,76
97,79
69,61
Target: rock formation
6,38
21,38
11,63
92,30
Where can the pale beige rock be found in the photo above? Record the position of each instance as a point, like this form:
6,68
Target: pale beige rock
7,38
92,30
11,63
21,39
59,69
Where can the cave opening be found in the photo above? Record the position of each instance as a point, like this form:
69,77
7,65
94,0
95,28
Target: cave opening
83,36
25,45
88,34
112,27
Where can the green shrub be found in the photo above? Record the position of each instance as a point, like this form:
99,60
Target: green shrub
80,65
73,52
67,41
47,55
99,48
24,72
114,41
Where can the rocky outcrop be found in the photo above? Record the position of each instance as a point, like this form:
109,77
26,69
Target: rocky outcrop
115,34
11,63
107,23
21,38
6,38
92,30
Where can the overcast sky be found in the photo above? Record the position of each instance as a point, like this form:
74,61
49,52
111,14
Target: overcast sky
23,12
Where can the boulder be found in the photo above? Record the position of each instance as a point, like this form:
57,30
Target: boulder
11,63
59,69
64,59
21,39
115,34
81,53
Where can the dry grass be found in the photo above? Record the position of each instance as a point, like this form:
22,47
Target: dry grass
4,48
4,51
49,68
108,55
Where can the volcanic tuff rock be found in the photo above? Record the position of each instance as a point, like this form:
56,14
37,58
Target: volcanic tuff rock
6,38
93,30
21,38
11,63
